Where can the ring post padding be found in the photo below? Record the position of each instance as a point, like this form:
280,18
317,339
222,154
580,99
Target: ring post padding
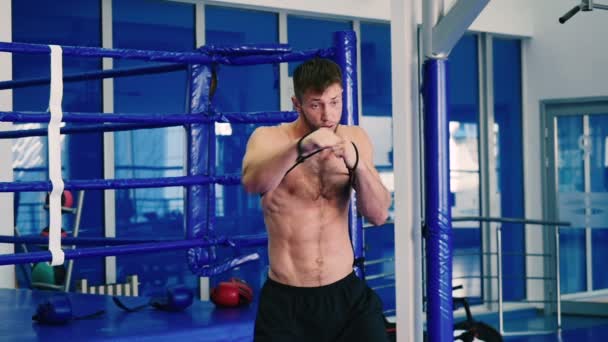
437,210
200,205
54,148
345,55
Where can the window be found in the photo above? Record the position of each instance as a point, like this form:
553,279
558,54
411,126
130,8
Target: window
376,119
151,153
463,116
508,152
62,22
306,33
241,89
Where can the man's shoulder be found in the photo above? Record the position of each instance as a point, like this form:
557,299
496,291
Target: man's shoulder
269,133
355,132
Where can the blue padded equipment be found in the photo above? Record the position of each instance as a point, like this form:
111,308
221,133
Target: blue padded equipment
57,310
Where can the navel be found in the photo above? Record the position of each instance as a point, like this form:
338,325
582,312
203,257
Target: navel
319,261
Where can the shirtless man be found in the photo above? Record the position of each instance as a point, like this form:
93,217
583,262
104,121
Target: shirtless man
305,171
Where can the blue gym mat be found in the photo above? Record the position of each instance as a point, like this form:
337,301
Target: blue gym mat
200,322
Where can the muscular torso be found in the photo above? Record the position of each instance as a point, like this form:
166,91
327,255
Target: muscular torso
307,221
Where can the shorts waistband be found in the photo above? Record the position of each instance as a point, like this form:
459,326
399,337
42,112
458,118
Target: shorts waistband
300,290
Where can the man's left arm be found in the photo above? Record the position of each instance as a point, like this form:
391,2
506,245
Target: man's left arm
373,199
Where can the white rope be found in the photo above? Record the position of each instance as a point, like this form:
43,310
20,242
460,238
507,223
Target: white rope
54,145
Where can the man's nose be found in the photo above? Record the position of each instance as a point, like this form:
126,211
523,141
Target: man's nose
324,112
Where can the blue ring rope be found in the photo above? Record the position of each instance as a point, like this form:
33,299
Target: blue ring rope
246,49
235,242
93,75
178,119
75,241
77,253
104,184
166,56
81,129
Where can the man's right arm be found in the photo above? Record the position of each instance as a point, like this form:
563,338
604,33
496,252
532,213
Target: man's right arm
270,153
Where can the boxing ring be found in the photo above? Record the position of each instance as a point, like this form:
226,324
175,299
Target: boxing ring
202,239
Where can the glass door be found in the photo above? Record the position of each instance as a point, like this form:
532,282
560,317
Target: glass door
581,194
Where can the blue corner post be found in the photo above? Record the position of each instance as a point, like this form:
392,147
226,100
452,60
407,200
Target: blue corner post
345,55
200,199
438,234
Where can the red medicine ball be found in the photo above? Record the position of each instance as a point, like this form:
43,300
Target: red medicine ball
234,293
67,199
45,232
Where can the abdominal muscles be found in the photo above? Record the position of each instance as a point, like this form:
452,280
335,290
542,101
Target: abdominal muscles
307,222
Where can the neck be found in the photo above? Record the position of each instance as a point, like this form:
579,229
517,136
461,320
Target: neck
301,127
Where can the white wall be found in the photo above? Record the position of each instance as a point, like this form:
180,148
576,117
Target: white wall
7,273
508,17
381,129
560,61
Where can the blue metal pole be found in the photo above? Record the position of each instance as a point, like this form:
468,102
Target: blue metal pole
440,322
200,202
345,46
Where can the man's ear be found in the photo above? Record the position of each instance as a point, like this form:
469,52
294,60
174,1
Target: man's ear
296,104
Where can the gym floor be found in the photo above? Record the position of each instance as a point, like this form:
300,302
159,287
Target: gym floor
575,328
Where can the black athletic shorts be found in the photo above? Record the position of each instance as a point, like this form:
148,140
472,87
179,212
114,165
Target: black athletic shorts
347,310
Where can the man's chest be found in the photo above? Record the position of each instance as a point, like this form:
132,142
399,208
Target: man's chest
323,175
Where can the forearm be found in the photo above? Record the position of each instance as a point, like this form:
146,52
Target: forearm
373,199
263,175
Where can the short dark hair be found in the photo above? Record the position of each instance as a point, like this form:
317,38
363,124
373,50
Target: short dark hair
316,74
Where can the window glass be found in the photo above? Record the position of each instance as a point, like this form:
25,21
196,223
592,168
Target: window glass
151,153
376,119
61,22
463,116
571,188
305,33
508,153
241,89
599,196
